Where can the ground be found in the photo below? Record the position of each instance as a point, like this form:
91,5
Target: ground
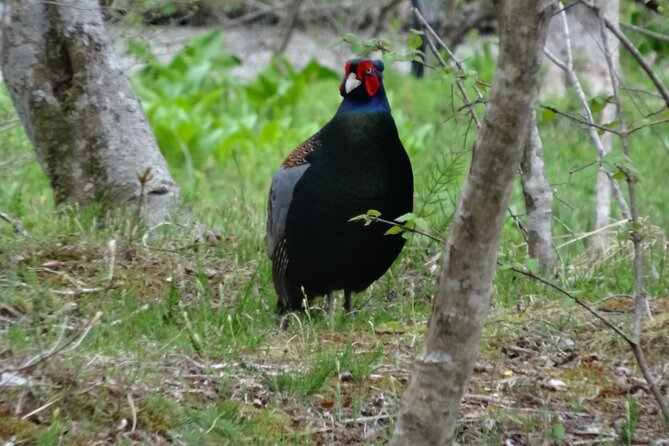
187,349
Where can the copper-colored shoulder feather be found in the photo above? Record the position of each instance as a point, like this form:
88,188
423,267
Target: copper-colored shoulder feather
299,155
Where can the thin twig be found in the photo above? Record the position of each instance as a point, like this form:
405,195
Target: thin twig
639,58
431,34
43,406
58,347
8,125
133,409
579,120
405,228
289,25
519,223
646,32
591,233
578,301
18,227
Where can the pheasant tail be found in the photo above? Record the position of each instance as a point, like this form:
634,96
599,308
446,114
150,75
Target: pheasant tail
290,295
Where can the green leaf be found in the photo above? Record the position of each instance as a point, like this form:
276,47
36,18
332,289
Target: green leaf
384,45
359,217
350,38
532,265
636,226
414,41
505,267
359,49
406,217
612,124
547,115
421,224
389,58
394,230
598,102
373,213
620,176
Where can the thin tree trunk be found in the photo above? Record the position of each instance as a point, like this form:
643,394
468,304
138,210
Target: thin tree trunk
538,201
603,186
88,128
430,404
592,67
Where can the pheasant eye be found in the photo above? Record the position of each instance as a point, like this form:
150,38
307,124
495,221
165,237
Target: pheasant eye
369,70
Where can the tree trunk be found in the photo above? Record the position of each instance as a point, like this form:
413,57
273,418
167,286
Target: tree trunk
430,403
88,128
538,201
430,9
590,62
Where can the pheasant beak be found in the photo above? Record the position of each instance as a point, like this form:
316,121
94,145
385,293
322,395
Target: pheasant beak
352,82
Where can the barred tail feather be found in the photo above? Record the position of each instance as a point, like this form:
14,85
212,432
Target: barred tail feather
290,296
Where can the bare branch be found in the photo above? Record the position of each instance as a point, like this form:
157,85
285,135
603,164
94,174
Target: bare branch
639,58
646,32
579,302
579,120
59,346
18,227
431,34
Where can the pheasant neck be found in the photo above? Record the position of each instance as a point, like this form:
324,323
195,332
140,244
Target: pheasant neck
378,103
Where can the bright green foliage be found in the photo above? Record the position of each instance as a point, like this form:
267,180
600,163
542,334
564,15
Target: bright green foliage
203,116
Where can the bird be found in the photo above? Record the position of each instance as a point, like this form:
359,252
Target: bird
355,163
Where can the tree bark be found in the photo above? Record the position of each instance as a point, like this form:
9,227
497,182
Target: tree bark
442,371
538,201
88,128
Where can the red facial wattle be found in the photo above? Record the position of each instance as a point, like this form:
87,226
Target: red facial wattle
367,73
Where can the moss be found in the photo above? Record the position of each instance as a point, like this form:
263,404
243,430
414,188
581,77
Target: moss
23,430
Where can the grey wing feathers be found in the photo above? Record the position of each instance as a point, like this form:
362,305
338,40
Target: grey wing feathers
280,197
290,295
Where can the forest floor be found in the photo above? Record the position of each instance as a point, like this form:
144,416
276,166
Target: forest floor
186,349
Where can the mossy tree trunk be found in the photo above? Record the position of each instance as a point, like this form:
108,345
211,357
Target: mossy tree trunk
430,404
88,128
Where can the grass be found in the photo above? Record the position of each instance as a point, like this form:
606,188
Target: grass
189,350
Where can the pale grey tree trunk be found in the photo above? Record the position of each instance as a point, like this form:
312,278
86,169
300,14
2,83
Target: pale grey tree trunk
430,404
590,63
88,128
538,201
